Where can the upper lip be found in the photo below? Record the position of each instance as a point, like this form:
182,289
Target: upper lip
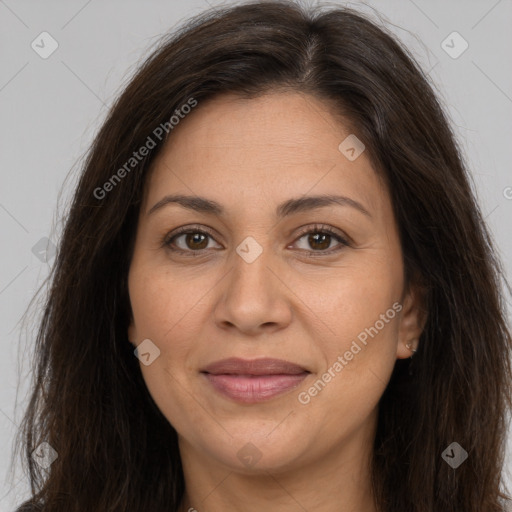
266,366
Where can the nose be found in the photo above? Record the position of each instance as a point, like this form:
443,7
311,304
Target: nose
253,297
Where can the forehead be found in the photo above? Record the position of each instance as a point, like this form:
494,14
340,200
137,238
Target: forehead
260,126
281,144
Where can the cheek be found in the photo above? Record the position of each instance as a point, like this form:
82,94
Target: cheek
358,364
350,300
162,304
161,309
359,310
167,313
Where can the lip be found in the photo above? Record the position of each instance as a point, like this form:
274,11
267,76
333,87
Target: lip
256,380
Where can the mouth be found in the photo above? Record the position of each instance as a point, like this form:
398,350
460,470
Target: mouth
252,381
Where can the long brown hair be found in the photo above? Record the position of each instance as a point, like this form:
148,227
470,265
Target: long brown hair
116,451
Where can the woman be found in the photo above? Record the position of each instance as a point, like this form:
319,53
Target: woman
274,288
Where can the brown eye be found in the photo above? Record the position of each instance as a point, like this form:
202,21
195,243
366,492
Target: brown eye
319,240
189,240
196,240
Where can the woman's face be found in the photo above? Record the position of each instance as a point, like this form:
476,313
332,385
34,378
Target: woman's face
258,277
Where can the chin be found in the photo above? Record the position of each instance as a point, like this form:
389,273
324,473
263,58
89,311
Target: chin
256,450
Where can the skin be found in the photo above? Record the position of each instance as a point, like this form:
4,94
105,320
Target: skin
250,156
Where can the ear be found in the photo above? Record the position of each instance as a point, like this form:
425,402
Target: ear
413,318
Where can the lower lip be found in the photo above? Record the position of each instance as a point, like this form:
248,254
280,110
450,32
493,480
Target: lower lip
256,388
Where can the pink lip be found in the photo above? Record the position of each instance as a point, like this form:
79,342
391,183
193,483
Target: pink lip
257,380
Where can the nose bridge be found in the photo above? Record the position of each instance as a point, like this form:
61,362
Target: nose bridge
251,274
252,294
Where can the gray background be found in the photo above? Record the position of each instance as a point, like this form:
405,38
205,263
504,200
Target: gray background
51,108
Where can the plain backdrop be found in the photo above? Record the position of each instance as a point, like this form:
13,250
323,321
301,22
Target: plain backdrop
51,108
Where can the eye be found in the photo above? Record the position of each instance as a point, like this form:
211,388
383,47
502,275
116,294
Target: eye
188,240
192,241
320,238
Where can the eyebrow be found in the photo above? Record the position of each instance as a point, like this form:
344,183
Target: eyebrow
285,209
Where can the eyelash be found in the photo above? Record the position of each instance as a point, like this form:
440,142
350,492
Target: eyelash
315,229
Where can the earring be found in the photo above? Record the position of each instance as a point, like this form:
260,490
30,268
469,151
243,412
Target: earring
409,346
